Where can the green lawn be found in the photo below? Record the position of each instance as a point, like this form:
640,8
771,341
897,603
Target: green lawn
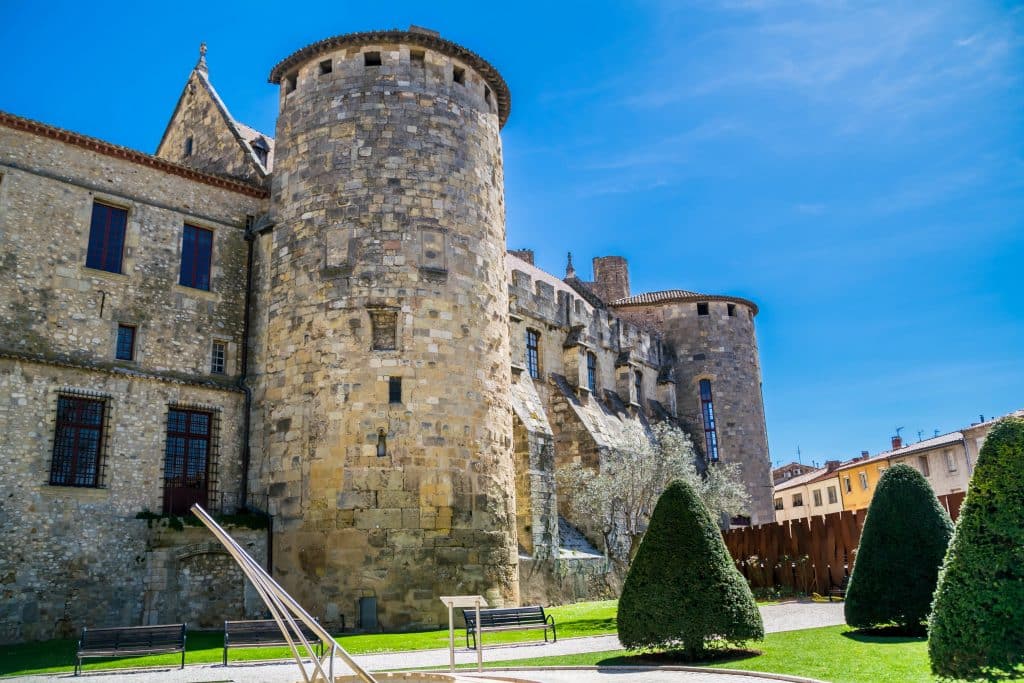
832,653
581,619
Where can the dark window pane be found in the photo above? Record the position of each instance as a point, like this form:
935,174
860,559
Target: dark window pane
533,353
106,238
196,251
186,459
708,411
125,342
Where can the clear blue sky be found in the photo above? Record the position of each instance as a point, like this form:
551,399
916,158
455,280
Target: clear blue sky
855,168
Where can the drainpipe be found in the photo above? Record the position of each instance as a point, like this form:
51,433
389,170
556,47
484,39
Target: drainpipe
252,230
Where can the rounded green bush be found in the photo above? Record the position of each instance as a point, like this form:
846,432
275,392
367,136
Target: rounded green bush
901,549
976,628
682,590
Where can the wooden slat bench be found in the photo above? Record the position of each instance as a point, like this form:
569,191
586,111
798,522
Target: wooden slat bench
839,591
260,632
130,641
509,619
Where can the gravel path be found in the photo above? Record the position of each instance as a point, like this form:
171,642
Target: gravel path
785,617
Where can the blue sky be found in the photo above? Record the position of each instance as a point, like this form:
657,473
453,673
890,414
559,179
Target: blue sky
855,168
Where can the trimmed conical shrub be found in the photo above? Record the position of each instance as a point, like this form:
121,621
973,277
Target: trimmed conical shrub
901,549
976,628
682,590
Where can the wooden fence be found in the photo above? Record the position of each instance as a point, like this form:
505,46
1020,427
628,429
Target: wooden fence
805,555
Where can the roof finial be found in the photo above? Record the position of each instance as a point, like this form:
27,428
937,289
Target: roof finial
569,270
201,64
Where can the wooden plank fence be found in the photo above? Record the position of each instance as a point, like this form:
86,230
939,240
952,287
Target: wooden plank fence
805,555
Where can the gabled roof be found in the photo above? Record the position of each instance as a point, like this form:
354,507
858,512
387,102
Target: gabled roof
244,135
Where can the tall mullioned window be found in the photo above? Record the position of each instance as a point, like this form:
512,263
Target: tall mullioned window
196,255
533,353
592,372
218,357
125,349
77,442
707,409
106,238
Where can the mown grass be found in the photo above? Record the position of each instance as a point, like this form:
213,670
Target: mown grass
831,653
204,647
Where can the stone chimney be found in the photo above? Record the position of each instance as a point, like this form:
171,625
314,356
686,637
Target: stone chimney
831,465
611,277
864,455
897,442
524,254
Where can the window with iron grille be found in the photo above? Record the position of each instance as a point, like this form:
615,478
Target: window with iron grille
592,372
106,238
707,409
187,459
218,357
77,442
533,353
196,255
125,343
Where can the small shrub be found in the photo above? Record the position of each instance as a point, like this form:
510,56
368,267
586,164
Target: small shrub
976,629
683,590
901,548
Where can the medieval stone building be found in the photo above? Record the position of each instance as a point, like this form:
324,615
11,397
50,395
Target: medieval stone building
324,326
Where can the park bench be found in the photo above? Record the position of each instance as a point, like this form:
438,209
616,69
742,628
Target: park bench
130,641
509,619
839,591
260,632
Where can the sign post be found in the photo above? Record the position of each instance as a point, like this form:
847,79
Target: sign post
451,602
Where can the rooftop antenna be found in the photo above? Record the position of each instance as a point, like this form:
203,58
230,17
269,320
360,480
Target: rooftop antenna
919,433
798,458
898,430
936,432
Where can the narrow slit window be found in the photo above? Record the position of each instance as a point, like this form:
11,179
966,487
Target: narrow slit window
125,347
707,409
459,75
326,67
382,444
371,59
592,372
188,146
638,386
533,353
394,389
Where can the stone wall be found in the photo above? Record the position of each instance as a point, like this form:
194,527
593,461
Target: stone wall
567,580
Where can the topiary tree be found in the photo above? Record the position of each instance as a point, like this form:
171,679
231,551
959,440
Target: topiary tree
682,590
901,549
976,629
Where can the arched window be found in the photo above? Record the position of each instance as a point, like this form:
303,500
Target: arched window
592,372
707,409
533,353
382,444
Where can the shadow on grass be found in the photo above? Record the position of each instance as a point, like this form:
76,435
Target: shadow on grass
590,626
886,634
679,658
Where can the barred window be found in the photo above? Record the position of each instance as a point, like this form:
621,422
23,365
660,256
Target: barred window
218,357
707,409
533,353
186,459
77,442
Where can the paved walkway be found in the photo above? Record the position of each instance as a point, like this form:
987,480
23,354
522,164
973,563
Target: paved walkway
785,617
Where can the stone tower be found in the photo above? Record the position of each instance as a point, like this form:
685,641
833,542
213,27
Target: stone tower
714,342
383,360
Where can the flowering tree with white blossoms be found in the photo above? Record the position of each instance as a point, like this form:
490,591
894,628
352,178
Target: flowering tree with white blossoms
617,501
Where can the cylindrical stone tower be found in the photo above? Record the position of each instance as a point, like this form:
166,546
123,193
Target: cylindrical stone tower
718,379
385,427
